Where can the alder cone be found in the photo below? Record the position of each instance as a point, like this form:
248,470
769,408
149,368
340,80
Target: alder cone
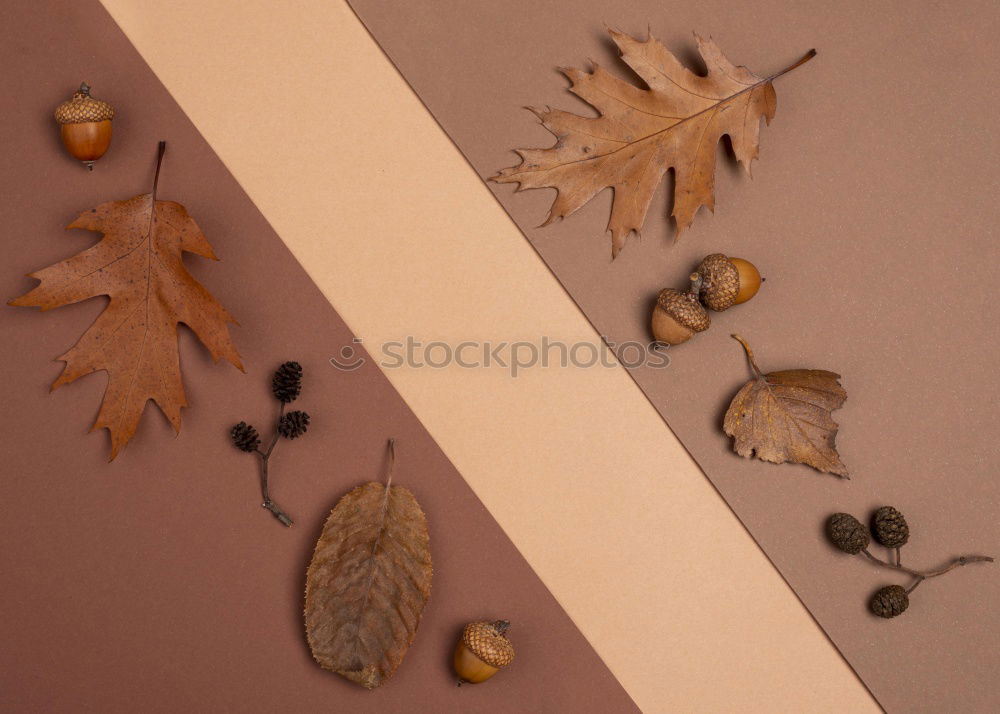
367,583
847,533
890,527
890,601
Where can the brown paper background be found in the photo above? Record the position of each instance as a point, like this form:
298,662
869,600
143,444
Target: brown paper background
156,582
575,464
870,214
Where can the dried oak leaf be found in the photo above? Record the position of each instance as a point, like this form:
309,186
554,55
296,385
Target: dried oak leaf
642,133
367,583
138,263
785,416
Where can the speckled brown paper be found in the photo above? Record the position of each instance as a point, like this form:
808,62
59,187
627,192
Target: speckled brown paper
156,583
871,214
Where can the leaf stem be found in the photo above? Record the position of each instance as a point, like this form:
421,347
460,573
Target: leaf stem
392,464
924,574
750,357
264,457
801,61
161,148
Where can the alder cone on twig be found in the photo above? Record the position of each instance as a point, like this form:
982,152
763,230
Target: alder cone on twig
890,601
245,437
890,527
293,424
847,533
367,583
287,382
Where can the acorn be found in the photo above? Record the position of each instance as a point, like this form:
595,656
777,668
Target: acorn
725,281
677,316
482,651
85,126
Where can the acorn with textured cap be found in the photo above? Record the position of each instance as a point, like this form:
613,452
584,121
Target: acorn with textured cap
85,126
847,533
482,651
723,281
890,527
677,316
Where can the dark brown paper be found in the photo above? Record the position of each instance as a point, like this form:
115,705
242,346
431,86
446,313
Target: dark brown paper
157,583
872,215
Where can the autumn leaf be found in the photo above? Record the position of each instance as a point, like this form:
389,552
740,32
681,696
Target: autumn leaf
368,582
642,133
786,416
138,263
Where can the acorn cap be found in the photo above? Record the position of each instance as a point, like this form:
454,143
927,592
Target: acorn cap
487,641
720,281
889,527
83,108
684,308
847,533
890,601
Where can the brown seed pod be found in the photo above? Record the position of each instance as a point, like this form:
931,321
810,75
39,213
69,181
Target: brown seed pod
482,651
85,126
890,601
725,281
677,316
890,527
847,533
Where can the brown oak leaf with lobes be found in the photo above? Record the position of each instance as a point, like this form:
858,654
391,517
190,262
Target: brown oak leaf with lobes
642,133
785,416
138,264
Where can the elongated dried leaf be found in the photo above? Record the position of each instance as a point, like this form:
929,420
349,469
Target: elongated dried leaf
641,134
138,263
786,416
368,582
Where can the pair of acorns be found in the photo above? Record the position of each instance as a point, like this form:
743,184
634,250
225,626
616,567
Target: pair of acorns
718,283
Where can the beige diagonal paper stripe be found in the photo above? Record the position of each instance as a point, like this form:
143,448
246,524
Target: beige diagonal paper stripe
576,466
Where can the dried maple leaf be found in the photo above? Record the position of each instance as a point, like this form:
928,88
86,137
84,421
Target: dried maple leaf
642,133
138,263
368,582
785,416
